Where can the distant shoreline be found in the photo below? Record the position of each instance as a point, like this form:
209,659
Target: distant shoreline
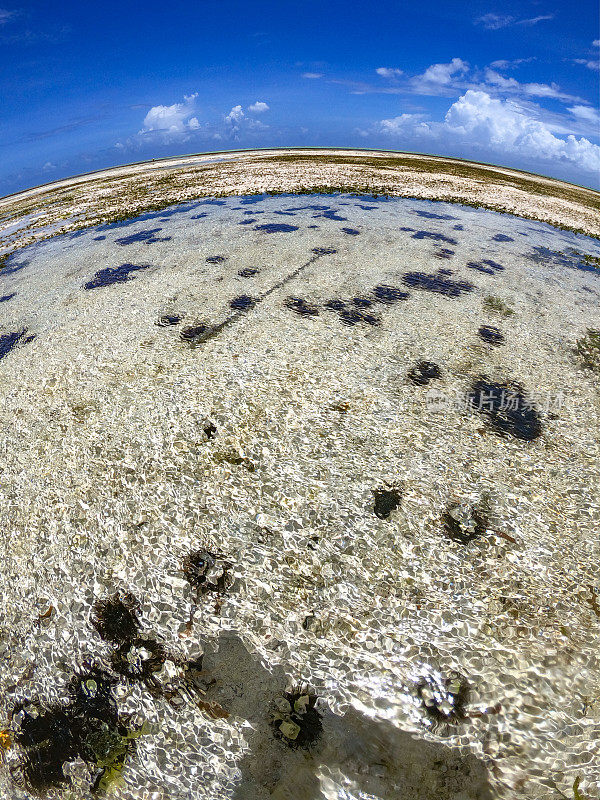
119,193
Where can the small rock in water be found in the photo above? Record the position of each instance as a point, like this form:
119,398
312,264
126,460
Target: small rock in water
386,501
423,372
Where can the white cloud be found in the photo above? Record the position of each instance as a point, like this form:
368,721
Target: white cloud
258,107
510,85
405,124
589,63
596,43
442,74
480,121
586,113
494,22
5,15
170,123
534,20
235,115
312,75
389,72
503,63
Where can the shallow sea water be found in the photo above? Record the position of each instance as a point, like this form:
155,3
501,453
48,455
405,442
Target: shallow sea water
306,388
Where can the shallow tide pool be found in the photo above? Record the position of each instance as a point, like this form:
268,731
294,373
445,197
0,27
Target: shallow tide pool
298,500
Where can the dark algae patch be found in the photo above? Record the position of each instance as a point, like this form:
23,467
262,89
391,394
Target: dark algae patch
324,251
423,372
242,303
501,237
301,307
568,258
87,726
7,297
276,227
587,348
169,319
350,231
386,501
487,266
139,659
116,618
248,272
195,333
110,275
352,316
10,340
497,305
437,237
148,236
438,283
508,410
389,294
296,719
216,259
431,215
491,335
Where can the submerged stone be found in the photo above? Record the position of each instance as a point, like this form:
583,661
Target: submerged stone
443,698
296,720
462,522
248,272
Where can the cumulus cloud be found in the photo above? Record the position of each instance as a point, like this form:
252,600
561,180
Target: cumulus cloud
389,72
312,75
483,122
494,22
442,74
596,43
235,115
170,123
258,107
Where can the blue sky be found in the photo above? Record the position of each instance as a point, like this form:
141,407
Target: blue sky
85,85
